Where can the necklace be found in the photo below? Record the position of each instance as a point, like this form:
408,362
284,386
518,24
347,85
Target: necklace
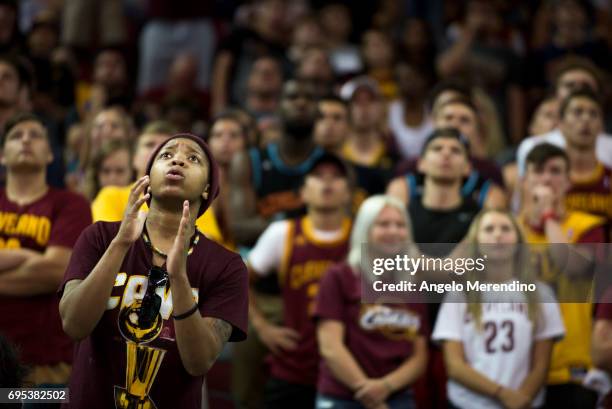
194,241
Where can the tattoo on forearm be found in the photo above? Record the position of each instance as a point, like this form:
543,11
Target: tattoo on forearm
221,329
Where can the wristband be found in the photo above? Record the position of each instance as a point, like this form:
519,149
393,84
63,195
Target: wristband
185,314
547,215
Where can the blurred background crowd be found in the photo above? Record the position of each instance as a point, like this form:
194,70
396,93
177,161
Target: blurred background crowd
100,71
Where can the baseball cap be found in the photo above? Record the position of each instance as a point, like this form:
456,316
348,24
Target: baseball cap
451,133
348,90
329,158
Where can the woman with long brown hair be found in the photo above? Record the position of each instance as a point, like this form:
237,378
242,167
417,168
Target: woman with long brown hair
497,346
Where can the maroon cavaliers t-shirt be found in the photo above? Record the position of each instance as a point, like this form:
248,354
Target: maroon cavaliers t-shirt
219,281
379,336
33,323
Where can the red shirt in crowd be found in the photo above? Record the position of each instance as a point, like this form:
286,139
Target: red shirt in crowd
33,323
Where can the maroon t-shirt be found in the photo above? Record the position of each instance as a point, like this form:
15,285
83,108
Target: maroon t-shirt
593,195
305,261
604,310
379,336
219,280
33,323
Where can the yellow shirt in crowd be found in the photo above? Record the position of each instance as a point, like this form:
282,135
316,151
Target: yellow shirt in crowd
574,350
111,202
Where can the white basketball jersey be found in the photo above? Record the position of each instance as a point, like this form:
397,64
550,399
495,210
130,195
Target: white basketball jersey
501,348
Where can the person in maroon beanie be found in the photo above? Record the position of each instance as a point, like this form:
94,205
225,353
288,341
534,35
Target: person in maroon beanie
150,300
39,226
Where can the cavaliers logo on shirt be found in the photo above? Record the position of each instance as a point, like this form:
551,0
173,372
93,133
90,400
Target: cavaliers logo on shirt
141,320
393,323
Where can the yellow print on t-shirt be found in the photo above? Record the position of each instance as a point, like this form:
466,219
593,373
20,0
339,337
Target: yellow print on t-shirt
304,273
135,289
11,243
38,228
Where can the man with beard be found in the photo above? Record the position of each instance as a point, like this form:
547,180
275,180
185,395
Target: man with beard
265,181
265,185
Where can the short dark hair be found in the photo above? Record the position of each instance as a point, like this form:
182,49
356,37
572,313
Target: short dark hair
542,153
459,101
448,85
23,69
572,63
228,116
159,126
15,120
345,169
581,93
449,133
117,49
331,98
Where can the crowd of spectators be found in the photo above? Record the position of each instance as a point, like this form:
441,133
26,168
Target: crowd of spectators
448,108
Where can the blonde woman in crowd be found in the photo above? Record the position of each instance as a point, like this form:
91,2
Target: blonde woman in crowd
371,352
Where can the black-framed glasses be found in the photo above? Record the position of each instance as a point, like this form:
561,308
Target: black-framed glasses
151,302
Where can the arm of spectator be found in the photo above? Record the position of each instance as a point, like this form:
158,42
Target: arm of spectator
453,59
91,273
511,180
220,79
517,117
399,188
12,258
199,339
376,391
496,198
540,360
330,335
84,301
601,344
574,259
411,370
37,274
541,25
275,337
459,370
245,224
265,259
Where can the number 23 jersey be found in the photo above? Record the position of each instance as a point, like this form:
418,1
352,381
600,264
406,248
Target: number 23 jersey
500,348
